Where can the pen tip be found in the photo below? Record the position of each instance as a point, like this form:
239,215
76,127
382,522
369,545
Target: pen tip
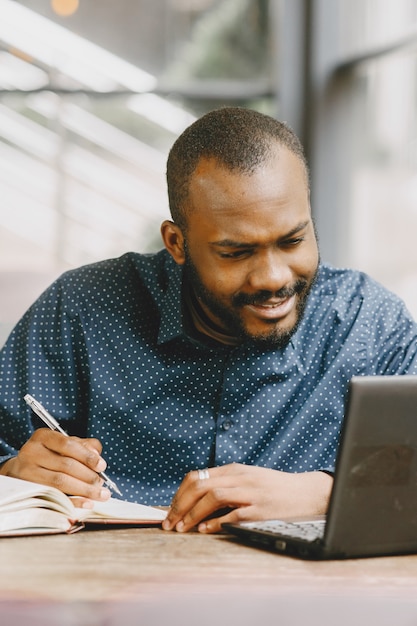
114,487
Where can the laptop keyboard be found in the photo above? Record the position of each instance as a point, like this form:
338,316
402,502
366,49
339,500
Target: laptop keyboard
309,530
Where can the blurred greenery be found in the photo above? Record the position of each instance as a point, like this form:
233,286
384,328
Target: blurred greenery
231,40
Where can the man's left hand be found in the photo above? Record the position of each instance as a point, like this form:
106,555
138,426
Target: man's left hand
235,493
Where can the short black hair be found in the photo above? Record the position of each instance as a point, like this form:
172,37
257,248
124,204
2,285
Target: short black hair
240,139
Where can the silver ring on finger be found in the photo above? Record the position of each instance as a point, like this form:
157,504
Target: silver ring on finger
203,474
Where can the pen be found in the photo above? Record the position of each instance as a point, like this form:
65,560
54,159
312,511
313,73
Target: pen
52,423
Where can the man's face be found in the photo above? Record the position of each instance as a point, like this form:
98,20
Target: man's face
250,251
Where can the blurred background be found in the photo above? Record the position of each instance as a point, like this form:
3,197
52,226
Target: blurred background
94,92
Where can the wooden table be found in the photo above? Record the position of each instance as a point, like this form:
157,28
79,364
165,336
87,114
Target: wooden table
151,577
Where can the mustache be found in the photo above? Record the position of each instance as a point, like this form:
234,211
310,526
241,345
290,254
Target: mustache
260,297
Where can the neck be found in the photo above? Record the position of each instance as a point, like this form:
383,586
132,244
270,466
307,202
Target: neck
203,324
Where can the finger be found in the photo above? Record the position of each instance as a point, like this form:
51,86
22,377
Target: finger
72,485
214,525
50,458
191,490
82,503
60,480
70,466
91,443
214,502
86,451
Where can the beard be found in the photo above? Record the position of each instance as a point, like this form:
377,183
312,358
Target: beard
230,315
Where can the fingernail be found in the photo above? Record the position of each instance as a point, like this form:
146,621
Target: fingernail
105,494
101,465
87,504
166,524
180,527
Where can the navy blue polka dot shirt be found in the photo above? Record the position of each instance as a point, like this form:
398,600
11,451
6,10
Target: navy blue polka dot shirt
105,349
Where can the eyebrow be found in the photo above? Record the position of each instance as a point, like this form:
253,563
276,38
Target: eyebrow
230,243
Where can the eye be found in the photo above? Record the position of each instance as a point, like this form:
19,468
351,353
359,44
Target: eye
292,243
235,254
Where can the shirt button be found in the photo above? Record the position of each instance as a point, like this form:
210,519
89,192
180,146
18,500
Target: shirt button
227,424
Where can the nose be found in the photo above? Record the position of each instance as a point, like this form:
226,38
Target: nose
269,271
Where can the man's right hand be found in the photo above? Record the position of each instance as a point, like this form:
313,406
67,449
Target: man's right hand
67,463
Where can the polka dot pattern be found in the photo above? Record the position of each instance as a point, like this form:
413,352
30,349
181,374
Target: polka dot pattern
105,350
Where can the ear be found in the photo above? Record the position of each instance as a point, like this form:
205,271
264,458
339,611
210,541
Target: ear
173,240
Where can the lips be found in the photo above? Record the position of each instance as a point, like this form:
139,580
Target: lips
272,309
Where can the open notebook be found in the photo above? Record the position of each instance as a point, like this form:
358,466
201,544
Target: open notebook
373,506
28,508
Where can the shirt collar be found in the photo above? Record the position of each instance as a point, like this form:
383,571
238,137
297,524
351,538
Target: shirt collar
203,325
172,309
172,320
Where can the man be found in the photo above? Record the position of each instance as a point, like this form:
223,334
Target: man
215,371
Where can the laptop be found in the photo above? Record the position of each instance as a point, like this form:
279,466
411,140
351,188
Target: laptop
373,505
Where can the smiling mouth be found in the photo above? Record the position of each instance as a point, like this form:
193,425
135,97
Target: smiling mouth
272,310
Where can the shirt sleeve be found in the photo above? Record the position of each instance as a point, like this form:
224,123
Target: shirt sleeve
41,357
393,339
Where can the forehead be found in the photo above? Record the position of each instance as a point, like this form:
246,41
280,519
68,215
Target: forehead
276,191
